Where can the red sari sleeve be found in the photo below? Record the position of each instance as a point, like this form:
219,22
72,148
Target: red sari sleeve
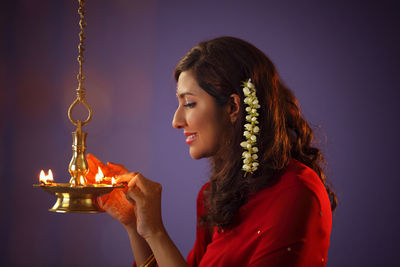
298,223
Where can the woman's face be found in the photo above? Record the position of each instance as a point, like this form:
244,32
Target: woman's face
199,116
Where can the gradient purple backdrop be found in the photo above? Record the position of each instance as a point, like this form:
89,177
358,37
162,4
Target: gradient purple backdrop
341,59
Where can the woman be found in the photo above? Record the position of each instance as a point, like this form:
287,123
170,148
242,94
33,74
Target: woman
267,202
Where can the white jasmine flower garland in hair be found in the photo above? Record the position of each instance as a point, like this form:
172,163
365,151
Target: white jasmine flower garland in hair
250,162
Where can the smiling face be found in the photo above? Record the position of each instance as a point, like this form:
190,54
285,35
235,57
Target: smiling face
201,119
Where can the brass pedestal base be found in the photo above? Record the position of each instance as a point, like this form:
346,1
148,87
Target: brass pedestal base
78,199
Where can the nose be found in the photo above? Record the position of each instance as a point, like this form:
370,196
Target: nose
178,121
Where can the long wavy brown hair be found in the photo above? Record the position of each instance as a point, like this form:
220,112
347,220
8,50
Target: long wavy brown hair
220,66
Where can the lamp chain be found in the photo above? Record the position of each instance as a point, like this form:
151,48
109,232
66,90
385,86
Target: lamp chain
80,92
81,47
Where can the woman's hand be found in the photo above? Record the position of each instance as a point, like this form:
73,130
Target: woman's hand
114,203
138,208
146,195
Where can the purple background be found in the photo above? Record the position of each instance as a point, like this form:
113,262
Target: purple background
341,58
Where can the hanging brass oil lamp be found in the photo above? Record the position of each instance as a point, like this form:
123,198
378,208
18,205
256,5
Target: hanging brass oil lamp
78,195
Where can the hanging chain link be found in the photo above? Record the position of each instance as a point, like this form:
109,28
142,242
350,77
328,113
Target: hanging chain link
80,92
81,47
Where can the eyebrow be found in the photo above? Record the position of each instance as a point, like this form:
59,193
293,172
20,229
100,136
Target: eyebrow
182,95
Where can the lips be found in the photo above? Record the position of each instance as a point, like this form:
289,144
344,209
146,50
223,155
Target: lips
190,137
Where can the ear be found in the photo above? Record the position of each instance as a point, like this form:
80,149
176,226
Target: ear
233,107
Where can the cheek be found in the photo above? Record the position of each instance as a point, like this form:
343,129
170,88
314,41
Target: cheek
212,128
206,122
193,120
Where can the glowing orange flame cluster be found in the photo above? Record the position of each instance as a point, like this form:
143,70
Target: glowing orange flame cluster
100,177
46,179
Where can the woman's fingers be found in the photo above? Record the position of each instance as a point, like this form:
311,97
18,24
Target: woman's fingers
134,194
147,198
125,178
139,187
145,185
102,200
118,206
129,199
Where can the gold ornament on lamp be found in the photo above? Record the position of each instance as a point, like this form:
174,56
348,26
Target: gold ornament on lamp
78,195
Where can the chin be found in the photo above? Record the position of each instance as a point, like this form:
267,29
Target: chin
195,154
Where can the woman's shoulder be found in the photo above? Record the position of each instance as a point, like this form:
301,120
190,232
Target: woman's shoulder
298,181
303,177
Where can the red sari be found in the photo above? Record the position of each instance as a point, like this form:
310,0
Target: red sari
288,224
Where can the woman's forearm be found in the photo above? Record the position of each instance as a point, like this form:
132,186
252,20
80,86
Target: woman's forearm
140,249
165,251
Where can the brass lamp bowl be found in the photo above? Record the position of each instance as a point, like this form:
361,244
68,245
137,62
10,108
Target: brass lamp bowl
77,198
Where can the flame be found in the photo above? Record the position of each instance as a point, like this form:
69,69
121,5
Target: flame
112,181
42,177
46,179
50,176
99,176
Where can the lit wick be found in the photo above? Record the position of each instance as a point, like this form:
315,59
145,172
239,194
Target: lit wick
99,176
100,179
46,179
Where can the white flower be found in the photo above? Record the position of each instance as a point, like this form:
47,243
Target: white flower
250,154
246,154
246,91
249,84
243,144
248,126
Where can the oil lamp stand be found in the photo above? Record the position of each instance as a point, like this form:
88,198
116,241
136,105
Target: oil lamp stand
78,195
77,199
